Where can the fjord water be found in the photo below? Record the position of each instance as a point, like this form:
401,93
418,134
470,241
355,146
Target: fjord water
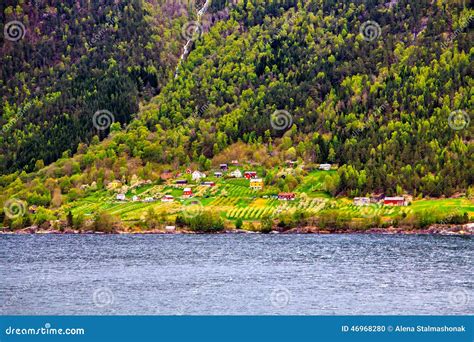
236,274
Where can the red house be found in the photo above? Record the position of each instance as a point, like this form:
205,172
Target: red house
398,201
250,174
187,193
286,196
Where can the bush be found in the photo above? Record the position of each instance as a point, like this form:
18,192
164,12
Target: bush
458,219
42,215
332,220
206,222
78,221
152,219
266,225
104,222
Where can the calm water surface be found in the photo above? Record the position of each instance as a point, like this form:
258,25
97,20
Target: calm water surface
236,274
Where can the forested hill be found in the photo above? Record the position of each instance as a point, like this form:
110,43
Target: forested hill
384,89
62,61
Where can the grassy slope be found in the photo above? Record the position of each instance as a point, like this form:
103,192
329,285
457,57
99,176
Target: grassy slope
233,199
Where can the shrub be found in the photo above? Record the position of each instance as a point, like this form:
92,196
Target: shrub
205,222
78,221
42,215
104,222
266,225
152,219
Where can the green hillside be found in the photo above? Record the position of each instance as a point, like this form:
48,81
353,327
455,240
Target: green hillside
380,90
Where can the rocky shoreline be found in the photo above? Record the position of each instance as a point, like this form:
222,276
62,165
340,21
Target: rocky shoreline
437,229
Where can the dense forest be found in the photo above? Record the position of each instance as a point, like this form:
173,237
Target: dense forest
383,89
75,58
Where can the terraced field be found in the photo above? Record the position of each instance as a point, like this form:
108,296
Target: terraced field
233,199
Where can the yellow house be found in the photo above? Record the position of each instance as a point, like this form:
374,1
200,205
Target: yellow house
256,184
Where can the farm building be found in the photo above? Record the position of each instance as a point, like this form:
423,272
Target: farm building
181,181
187,193
286,196
360,201
235,162
149,199
398,201
256,184
208,183
223,167
167,198
135,198
325,167
120,197
218,174
197,175
236,174
250,174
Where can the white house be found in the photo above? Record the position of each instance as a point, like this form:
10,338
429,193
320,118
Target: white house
167,198
149,199
197,175
361,201
236,174
135,198
325,167
120,197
